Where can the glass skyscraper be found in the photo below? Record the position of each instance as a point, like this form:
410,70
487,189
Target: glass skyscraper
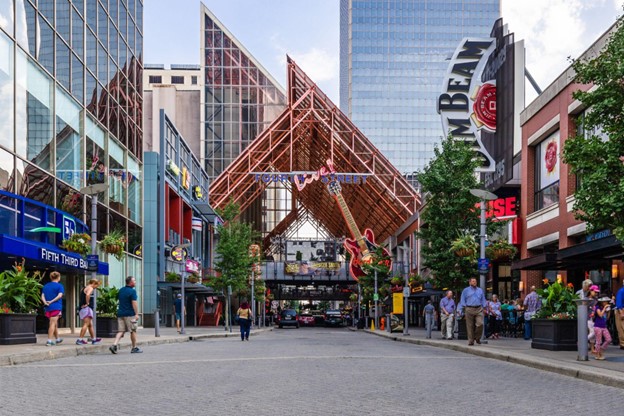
71,112
393,58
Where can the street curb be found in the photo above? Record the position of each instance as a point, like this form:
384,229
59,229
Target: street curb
600,376
53,353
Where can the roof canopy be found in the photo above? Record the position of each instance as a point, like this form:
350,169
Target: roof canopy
309,135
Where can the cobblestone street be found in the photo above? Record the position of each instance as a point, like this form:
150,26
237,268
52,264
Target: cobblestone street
308,371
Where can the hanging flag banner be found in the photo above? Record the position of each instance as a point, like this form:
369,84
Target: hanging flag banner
197,224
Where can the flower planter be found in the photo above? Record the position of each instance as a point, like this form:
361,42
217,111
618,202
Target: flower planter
501,254
18,328
106,327
464,252
113,249
554,334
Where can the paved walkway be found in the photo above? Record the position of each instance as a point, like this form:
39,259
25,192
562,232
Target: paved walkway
516,350
25,353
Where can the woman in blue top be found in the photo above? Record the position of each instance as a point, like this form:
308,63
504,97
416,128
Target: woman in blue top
52,298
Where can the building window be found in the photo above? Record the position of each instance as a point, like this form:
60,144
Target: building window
547,163
194,79
176,79
155,79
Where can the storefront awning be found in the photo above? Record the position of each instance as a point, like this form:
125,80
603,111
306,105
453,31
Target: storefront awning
544,261
206,211
194,288
609,246
44,256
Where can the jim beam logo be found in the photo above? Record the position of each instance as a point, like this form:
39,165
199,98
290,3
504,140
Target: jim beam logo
468,104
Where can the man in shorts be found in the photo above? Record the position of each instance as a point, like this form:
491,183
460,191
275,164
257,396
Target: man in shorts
52,298
127,316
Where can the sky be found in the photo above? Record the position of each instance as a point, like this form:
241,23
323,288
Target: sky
308,31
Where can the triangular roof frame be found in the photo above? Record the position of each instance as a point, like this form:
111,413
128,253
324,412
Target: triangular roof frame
311,130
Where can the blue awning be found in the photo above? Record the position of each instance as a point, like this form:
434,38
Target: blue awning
45,255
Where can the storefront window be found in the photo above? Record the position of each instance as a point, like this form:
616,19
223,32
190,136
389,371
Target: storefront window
117,177
6,90
68,143
135,184
69,200
547,172
34,112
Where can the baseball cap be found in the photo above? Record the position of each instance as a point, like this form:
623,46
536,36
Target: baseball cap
179,295
594,288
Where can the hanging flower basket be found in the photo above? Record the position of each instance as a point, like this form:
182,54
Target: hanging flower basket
464,252
396,289
500,250
78,243
114,243
465,245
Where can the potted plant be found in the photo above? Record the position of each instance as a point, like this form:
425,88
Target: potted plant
554,324
500,250
465,245
78,243
193,278
107,305
20,296
172,277
114,243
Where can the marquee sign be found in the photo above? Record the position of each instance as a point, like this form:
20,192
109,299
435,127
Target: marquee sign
468,104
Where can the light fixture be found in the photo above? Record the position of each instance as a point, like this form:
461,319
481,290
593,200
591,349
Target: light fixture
521,286
614,271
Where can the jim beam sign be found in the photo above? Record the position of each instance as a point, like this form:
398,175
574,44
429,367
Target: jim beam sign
468,105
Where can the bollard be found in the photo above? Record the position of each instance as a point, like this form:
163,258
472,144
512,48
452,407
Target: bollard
581,321
157,322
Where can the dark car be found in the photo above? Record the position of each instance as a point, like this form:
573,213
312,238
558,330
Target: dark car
306,319
333,317
288,317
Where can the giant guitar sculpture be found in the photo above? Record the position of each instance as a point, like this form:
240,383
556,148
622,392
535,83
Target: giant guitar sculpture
361,247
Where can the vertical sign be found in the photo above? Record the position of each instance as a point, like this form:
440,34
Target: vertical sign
69,227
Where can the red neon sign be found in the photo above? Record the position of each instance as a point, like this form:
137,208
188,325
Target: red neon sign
501,207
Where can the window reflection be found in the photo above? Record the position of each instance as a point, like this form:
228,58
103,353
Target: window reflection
69,200
117,178
33,112
68,144
62,18
6,92
45,49
6,171
6,15
34,183
96,167
62,63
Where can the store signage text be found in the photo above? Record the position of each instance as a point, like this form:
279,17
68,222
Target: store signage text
62,258
467,104
186,178
501,207
325,174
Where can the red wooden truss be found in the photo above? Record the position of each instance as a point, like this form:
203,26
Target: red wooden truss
309,132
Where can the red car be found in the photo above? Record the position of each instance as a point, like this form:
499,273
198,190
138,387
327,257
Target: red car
306,319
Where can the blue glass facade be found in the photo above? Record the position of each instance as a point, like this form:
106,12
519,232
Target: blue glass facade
394,55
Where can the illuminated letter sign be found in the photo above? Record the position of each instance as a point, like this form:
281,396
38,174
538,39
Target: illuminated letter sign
186,178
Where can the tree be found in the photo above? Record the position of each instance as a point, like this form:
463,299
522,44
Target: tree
449,212
598,159
233,262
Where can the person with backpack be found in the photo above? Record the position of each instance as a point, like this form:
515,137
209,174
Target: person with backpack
244,320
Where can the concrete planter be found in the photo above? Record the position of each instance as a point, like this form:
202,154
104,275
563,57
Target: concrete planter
106,327
554,334
18,328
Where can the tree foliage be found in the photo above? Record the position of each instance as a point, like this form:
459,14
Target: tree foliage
233,261
599,161
449,212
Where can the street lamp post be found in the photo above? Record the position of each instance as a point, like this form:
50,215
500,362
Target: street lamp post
376,299
93,191
484,196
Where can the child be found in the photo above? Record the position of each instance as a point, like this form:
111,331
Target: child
603,338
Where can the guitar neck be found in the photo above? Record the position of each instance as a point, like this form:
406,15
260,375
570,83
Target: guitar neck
355,232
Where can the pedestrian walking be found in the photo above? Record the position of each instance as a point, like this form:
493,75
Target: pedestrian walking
473,301
603,338
52,298
86,313
496,317
532,304
447,312
127,316
244,320
178,310
429,315
619,315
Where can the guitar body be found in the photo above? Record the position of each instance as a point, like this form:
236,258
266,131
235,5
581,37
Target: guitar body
358,256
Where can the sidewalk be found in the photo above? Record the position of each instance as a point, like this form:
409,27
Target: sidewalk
26,353
609,372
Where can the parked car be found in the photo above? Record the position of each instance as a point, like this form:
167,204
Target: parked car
333,317
288,317
306,319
